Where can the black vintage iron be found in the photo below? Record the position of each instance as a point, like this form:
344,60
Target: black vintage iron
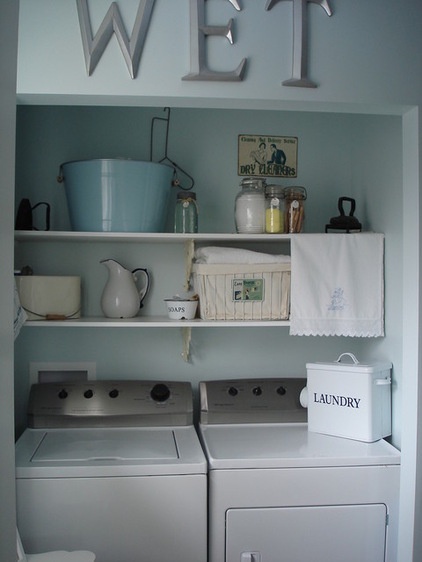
348,223
24,218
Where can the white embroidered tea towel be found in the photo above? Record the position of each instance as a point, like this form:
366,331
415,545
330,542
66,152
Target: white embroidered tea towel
337,285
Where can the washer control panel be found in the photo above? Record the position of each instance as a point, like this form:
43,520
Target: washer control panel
110,404
252,401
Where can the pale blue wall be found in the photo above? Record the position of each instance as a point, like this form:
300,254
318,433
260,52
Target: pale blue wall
367,52
339,154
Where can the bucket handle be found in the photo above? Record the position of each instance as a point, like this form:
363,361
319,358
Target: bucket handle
352,357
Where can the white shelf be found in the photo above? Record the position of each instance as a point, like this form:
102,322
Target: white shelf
152,322
145,237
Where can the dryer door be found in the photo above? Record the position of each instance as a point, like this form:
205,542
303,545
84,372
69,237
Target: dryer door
296,534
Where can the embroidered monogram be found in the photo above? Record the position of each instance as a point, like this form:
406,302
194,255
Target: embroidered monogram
338,301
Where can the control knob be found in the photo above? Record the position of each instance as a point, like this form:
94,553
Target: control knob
233,391
160,392
62,394
88,393
113,393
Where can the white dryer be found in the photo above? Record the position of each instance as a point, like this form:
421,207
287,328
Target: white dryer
114,467
278,493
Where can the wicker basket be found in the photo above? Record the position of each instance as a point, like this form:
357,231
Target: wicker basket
243,291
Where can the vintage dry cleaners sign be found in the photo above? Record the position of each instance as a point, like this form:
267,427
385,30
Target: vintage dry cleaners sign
269,156
131,47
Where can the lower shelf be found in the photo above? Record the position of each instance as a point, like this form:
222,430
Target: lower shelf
151,322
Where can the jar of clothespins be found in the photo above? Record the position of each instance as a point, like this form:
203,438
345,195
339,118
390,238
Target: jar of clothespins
294,204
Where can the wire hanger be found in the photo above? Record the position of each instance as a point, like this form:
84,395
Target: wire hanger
176,181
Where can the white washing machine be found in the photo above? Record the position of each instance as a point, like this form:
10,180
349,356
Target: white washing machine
114,467
278,493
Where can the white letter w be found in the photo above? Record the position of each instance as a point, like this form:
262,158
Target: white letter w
112,23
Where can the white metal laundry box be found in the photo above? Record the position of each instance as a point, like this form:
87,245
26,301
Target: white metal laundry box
243,291
351,400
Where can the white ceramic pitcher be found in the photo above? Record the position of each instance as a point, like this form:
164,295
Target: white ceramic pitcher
121,297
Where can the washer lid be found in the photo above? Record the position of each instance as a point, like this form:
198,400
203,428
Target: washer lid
61,453
102,444
230,446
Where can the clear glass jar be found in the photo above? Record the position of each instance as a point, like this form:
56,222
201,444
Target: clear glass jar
249,208
294,203
186,212
274,209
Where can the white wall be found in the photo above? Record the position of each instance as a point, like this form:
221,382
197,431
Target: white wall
8,33
410,513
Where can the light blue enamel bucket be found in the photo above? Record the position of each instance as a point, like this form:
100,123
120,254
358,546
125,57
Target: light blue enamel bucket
117,195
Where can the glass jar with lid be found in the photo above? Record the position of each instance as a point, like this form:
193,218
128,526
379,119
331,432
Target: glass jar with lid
249,206
294,202
186,212
274,209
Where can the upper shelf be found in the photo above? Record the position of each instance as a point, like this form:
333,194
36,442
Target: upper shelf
159,237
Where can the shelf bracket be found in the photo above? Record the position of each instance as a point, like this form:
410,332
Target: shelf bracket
189,253
187,336
187,332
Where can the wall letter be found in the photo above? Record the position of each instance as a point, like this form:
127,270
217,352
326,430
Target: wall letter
198,32
300,40
112,23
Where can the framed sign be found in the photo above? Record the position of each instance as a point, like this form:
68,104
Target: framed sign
267,156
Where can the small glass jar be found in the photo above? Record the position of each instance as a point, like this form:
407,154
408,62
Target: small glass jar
249,208
294,203
186,212
274,209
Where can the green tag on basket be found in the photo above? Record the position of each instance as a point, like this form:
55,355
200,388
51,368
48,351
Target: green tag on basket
248,290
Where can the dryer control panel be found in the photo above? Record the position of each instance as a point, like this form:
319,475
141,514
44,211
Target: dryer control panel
110,403
252,401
